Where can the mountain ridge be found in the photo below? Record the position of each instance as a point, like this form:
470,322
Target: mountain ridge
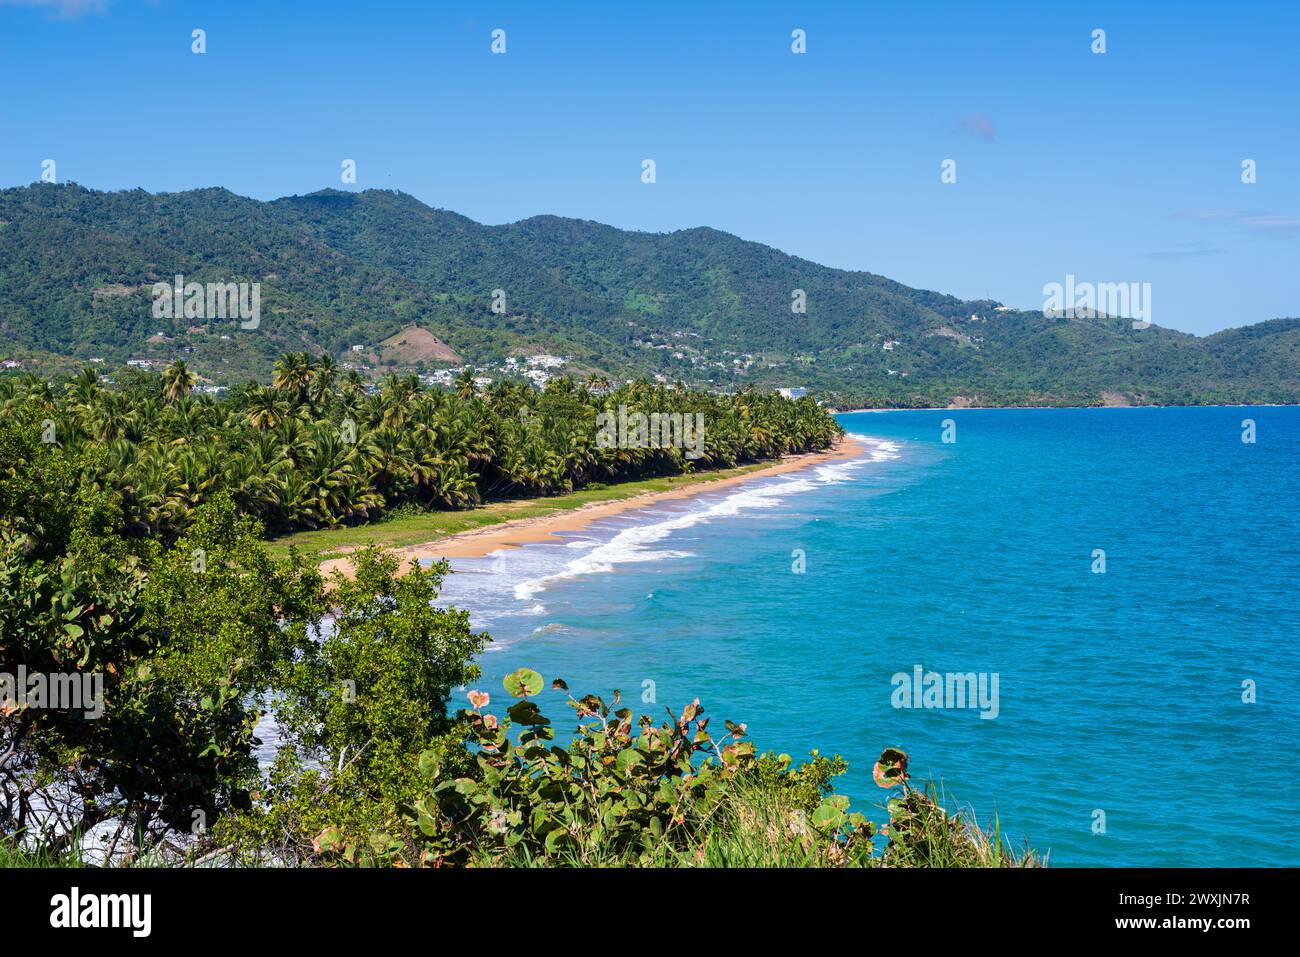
341,268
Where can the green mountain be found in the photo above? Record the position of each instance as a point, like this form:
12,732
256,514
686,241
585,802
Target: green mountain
338,270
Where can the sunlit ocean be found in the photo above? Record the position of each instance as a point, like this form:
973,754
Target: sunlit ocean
1131,577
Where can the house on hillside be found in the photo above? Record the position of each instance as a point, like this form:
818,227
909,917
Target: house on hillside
543,361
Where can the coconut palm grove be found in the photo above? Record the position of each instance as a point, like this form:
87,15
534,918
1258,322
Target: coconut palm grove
316,449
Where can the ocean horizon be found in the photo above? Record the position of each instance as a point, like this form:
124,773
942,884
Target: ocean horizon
1115,588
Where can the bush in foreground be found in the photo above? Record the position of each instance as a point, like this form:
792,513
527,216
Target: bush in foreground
627,792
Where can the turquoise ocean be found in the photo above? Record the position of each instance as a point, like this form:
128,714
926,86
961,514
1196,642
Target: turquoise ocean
1146,714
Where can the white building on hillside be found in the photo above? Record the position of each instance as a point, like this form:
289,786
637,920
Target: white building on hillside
545,362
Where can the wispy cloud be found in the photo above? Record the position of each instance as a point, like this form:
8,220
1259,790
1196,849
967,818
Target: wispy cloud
1239,217
64,9
1270,221
1186,251
979,124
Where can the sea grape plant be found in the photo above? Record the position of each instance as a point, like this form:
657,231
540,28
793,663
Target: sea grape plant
628,791
625,788
624,785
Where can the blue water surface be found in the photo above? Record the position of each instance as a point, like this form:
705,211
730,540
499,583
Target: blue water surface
1120,693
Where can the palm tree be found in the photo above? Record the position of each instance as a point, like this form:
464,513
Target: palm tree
107,419
287,458
264,409
320,387
84,387
388,463
395,398
464,384
354,387
292,372
177,381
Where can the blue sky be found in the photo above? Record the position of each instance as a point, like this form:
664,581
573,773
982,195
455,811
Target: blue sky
1115,167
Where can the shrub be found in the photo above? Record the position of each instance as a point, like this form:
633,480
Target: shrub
353,708
178,657
626,791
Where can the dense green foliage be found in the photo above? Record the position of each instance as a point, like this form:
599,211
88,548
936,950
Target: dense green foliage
192,645
355,710
631,793
179,652
316,450
341,269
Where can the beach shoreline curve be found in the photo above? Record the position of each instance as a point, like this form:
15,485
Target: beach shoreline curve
476,543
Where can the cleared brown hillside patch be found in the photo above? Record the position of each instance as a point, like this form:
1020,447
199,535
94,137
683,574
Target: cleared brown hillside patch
414,345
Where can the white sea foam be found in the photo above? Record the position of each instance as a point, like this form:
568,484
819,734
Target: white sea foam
635,544
506,584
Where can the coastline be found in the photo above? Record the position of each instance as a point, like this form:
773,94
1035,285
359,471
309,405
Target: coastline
516,533
1012,408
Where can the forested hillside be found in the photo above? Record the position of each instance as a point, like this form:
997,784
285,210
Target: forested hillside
339,270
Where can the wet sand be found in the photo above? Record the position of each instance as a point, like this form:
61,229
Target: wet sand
525,531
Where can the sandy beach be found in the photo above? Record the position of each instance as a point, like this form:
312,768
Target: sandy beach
514,534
